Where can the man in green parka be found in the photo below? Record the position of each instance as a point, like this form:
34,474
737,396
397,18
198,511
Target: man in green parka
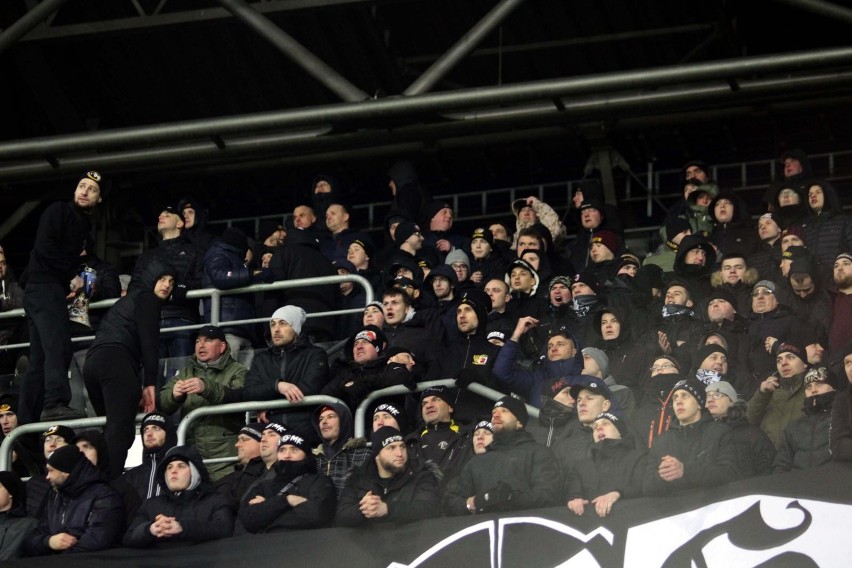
211,377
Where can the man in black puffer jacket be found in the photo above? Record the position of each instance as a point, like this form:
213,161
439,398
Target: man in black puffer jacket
83,514
295,498
514,473
189,512
291,368
805,442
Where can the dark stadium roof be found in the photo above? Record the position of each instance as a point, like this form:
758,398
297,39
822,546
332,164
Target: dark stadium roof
546,85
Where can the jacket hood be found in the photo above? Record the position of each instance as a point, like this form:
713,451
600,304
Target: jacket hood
185,453
831,201
151,272
346,427
403,173
740,217
802,157
82,476
687,244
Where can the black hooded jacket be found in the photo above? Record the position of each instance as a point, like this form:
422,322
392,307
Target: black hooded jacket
86,507
133,323
203,514
737,236
187,260
829,231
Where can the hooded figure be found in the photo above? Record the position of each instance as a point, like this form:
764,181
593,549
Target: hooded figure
696,276
197,232
127,341
733,232
144,476
320,201
82,505
189,512
784,213
828,230
410,199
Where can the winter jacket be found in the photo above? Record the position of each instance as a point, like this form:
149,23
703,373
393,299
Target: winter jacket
443,444
654,415
774,411
805,443
571,450
224,268
840,433
300,257
203,514
628,357
739,236
778,323
352,382
86,507
300,363
143,477
61,235
555,422
15,525
425,336
542,379
828,232
276,514
517,460
186,259
133,323
213,436
700,446
234,485
754,449
614,465
337,461
410,496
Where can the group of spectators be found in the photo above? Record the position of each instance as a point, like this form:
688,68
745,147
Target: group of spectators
725,354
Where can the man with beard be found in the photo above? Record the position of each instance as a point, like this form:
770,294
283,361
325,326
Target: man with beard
388,489
840,332
295,498
291,368
158,436
189,511
53,270
515,473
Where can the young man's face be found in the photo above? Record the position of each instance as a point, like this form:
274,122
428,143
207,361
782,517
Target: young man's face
282,333
357,256
843,273
498,291
599,252
480,248
482,438
560,348
168,221
792,167
178,475
789,365
767,230
164,287
373,316
581,289
395,309
696,257
329,426
678,296
686,407
791,240
724,210
560,294
502,420
289,452
442,221
499,232
527,242
733,270
817,387
610,326
56,477
466,319
718,404
604,429
589,405
384,419
590,218
442,287
393,458
8,421
153,437
816,198
521,280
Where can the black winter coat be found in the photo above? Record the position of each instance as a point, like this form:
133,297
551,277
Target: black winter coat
275,513
805,442
186,259
62,231
754,450
513,458
234,485
410,496
840,435
707,460
615,465
86,507
133,322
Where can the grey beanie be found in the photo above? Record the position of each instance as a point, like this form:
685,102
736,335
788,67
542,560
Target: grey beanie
457,255
293,315
600,358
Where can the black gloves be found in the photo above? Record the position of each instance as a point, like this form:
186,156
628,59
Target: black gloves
494,498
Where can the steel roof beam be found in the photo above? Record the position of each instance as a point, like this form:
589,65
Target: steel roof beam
28,21
822,8
462,48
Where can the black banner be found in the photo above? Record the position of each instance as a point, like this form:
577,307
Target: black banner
799,519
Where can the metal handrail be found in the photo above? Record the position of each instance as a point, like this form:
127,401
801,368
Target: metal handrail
238,407
6,446
476,388
215,296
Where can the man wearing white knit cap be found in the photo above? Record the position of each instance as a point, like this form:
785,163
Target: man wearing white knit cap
290,369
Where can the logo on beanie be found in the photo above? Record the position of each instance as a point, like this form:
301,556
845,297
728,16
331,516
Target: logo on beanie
391,439
291,439
366,335
390,409
791,348
94,176
5,408
156,418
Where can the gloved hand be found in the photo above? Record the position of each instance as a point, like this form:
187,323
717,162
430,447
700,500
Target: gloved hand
465,377
494,499
179,293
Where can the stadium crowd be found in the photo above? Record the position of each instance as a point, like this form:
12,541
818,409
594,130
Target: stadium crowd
725,354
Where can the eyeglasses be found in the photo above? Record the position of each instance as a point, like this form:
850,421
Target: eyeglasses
656,368
787,193
760,293
715,395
